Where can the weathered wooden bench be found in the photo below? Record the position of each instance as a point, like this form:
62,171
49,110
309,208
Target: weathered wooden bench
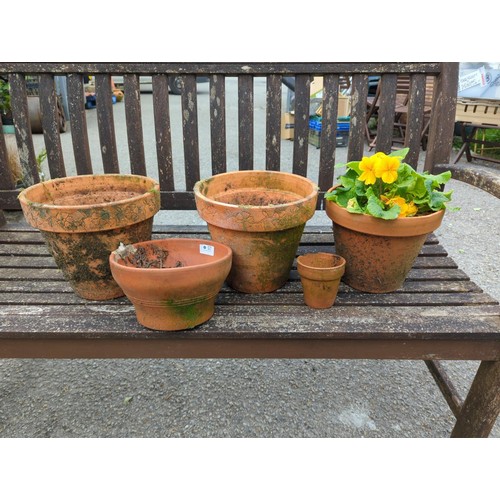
439,314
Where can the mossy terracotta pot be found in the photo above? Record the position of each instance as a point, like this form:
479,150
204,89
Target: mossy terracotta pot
261,216
84,218
379,253
320,275
172,283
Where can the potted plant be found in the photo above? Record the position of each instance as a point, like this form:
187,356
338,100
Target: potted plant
261,216
85,217
173,282
382,212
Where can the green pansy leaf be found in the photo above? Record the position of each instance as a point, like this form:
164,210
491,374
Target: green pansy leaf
376,208
401,153
353,207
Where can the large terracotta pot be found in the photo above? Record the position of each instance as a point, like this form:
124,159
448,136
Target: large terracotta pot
320,275
261,216
84,218
172,283
379,253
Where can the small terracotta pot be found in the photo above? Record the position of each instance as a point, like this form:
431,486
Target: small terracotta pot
84,218
320,274
179,295
379,253
261,215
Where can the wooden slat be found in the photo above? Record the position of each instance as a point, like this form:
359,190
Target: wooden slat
218,123
443,117
445,386
78,120
284,299
359,94
301,127
50,125
163,133
328,131
227,68
190,131
6,181
106,124
20,113
374,323
245,122
134,124
386,112
415,118
273,122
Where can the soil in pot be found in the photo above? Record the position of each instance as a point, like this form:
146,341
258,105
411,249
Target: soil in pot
320,275
84,218
261,216
173,283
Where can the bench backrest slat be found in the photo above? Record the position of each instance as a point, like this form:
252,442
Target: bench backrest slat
190,131
301,130
50,125
359,95
133,118
20,114
329,114
245,122
385,124
106,124
162,132
251,139
78,121
273,122
416,101
218,123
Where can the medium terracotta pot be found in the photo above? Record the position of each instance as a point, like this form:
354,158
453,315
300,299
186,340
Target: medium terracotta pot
379,253
84,218
261,215
178,289
320,274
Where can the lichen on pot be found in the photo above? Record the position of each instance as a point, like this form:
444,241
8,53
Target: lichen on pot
261,216
84,218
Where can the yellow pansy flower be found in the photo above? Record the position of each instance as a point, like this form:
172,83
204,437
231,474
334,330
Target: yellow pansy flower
407,209
367,165
386,167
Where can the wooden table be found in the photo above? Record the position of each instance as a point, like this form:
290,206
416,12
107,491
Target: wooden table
438,314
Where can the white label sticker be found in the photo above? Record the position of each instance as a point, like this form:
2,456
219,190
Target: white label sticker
207,250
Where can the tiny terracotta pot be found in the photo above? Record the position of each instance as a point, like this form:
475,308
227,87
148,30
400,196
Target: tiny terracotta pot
261,215
173,283
379,253
320,274
84,218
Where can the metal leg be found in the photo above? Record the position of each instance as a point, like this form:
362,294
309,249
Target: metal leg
482,405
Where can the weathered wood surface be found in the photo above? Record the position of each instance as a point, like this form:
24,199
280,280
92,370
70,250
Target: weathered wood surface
438,304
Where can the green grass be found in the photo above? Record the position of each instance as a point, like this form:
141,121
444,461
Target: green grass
491,135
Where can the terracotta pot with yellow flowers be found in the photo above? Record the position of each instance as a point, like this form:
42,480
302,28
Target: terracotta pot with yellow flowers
382,213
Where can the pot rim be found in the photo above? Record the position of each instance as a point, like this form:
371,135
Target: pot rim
365,223
23,198
305,199
114,260
342,261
